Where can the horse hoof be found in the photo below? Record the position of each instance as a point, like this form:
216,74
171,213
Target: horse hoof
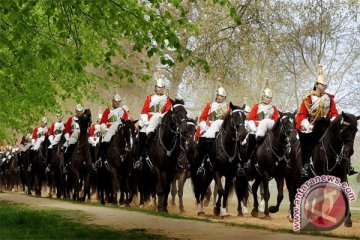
266,217
182,210
141,206
273,209
255,213
201,214
348,224
290,219
216,211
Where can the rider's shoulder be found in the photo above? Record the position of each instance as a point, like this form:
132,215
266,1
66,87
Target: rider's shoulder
309,94
331,95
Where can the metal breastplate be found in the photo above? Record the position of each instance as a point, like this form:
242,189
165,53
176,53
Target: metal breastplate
217,111
265,111
157,103
59,127
115,115
319,107
74,124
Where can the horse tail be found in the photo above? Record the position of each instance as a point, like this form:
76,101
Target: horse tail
242,188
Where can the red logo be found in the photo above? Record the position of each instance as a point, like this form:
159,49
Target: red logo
325,206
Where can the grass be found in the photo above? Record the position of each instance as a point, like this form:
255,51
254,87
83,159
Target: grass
244,225
23,222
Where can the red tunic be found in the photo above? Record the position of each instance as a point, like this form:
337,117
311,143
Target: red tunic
105,117
253,115
146,107
304,114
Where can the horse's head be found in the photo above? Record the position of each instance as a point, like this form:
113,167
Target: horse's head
190,133
179,116
126,133
287,129
235,122
85,118
345,128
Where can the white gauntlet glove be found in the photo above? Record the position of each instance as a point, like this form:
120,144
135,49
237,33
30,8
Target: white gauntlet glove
252,126
203,126
306,126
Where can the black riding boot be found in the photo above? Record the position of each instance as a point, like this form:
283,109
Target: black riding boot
251,153
351,170
67,156
138,164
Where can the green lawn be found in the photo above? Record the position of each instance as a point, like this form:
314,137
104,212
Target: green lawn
24,222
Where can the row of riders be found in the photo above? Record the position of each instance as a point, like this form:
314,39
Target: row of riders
238,143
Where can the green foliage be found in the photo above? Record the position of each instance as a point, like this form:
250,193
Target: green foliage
45,45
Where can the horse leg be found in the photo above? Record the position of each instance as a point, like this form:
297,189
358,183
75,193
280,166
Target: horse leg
228,183
266,197
254,188
280,196
181,183
207,196
220,192
86,186
173,191
242,193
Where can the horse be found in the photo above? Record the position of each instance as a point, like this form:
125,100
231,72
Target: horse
80,164
271,156
120,154
24,163
55,176
224,156
164,150
182,173
331,155
38,165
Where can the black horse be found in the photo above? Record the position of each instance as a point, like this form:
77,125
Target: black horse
24,163
55,176
331,155
38,165
120,155
80,166
225,157
271,157
164,150
182,171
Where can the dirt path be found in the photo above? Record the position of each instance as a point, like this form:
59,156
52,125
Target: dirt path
176,228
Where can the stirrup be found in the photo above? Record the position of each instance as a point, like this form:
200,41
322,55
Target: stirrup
201,171
304,171
138,165
179,165
352,171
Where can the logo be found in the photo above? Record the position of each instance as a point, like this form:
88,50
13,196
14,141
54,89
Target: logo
322,203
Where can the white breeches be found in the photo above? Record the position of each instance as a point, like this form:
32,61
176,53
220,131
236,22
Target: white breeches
111,131
25,148
264,125
38,143
93,141
153,123
73,138
214,127
54,140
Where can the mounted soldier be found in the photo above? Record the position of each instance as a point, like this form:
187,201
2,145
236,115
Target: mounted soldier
315,105
109,123
210,122
261,119
155,106
94,132
56,129
39,134
72,131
